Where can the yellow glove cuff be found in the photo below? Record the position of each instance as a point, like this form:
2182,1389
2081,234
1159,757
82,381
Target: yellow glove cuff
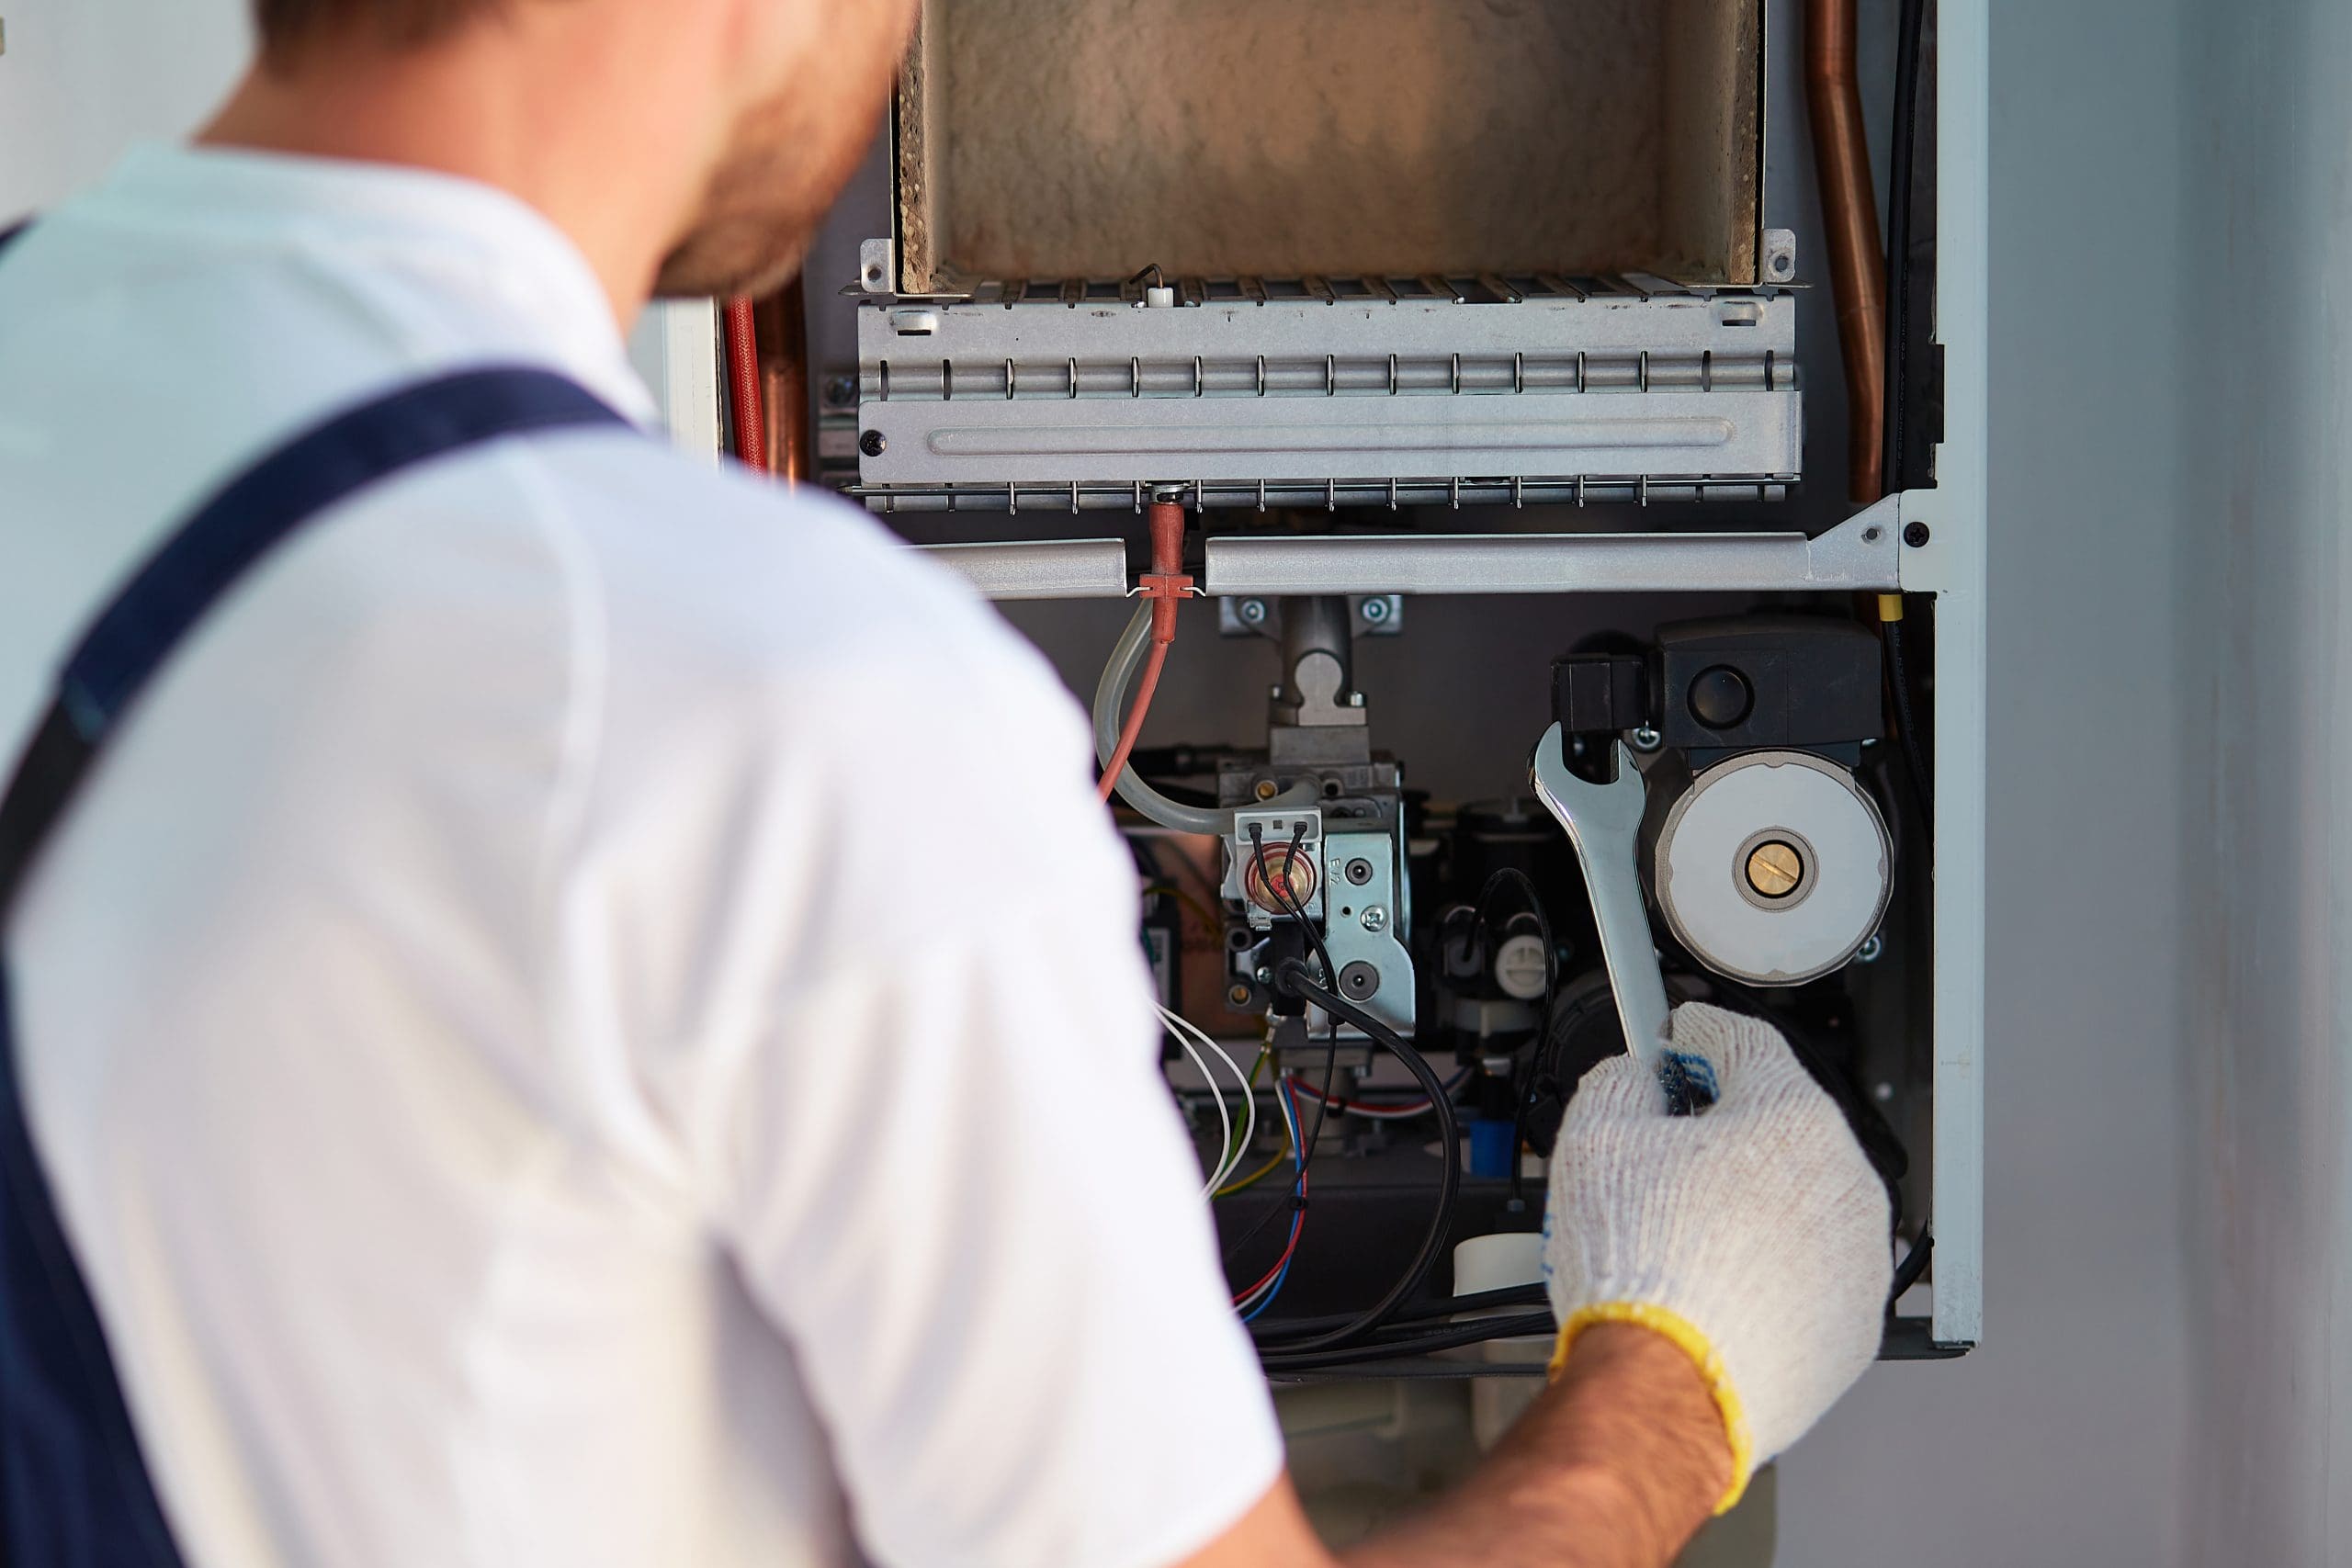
1678,1329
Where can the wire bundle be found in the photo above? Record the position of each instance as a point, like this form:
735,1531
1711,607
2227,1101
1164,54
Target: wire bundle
1380,1110
1294,978
1230,1150
1307,1344
1250,1303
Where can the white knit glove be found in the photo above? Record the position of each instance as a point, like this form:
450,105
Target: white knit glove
1754,1236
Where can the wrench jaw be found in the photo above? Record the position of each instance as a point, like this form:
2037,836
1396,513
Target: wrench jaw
1582,807
1603,822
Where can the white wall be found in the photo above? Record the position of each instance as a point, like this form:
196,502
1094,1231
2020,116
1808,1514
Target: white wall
2263,638
2065,1440
82,78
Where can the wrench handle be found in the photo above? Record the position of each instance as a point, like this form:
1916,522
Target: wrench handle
1613,880
1603,821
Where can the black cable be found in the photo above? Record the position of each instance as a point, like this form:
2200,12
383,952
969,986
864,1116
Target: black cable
1513,876
1906,724
1291,904
1913,1264
1560,1025
1295,911
1292,976
1411,1311
1477,1332
1901,156
1469,940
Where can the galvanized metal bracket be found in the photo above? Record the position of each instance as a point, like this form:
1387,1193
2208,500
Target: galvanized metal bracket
1370,615
1040,569
1860,555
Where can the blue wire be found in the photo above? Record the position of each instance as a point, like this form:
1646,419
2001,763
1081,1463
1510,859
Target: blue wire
1268,1299
1285,1096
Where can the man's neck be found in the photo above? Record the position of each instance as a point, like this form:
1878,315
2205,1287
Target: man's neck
549,123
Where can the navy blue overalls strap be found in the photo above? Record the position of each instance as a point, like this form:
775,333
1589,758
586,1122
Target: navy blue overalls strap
74,1492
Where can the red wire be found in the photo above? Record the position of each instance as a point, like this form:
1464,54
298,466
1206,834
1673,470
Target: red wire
1301,1086
1297,1223
1297,1217
744,394
1165,586
1145,687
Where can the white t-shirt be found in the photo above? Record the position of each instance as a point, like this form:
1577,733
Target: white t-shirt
591,1016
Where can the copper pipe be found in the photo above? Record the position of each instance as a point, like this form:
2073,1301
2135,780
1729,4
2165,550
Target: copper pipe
784,357
1850,218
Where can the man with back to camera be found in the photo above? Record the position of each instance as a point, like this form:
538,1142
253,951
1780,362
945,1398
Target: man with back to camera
486,1098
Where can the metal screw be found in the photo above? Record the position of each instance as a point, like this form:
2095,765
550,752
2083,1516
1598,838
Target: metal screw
1375,919
1376,611
1870,951
1872,534
1359,980
841,389
1359,872
872,443
1265,974
1252,611
1915,534
1644,739
1774,868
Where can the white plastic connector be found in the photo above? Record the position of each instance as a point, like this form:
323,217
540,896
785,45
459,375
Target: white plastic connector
1520,967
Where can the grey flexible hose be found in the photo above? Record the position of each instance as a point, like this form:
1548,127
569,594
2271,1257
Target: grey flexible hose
1111,696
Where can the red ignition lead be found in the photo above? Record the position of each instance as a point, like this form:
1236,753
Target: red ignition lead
743,399
1165,585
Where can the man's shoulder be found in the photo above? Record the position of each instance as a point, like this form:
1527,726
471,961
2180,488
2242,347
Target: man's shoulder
773,645
727,588
713,555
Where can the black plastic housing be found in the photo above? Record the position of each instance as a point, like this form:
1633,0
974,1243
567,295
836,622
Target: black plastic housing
1810,681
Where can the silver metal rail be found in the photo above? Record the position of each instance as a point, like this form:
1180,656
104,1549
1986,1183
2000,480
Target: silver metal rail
1860,555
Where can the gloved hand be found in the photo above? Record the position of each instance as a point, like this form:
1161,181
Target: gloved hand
1754,1236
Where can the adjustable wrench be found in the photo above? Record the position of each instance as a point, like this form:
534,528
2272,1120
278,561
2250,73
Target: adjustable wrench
1604,823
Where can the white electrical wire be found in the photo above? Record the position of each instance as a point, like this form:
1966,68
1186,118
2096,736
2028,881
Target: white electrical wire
1249,1111
1224,1116
1233,1152
1230,1152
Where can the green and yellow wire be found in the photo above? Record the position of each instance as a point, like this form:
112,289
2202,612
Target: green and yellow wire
1258,1067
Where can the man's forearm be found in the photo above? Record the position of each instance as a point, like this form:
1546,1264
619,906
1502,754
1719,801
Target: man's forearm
1614,1466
